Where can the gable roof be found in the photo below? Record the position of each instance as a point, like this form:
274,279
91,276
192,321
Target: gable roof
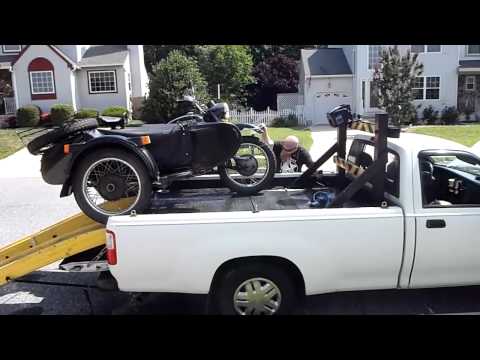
469,63
325,61
7,58
104,55
69,62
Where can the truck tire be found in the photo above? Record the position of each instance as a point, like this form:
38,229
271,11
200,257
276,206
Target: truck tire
249,189
255,289
111,184
41,142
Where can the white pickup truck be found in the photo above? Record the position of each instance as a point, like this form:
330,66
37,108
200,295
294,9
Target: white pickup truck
262,254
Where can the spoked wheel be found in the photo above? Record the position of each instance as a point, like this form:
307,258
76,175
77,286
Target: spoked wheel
111,182
251,169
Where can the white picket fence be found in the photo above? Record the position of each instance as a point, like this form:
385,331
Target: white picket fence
266,117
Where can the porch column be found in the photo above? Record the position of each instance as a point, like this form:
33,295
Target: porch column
14,85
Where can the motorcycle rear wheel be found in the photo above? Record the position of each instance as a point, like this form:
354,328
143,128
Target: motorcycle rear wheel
111,182
265,159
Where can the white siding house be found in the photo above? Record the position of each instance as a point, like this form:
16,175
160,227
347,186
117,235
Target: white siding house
85,76
451,77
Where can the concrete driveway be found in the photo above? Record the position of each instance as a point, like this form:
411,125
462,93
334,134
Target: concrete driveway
27,204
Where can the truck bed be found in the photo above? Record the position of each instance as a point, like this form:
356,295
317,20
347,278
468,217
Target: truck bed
218,200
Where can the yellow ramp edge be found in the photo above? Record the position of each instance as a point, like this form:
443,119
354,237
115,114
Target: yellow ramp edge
66,238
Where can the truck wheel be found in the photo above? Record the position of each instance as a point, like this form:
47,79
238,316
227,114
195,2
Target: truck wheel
255,289
111,182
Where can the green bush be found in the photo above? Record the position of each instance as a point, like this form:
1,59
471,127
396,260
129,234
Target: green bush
60,113
430,115
86,113
28,116
278,122
285,121
291,120
114,111
449,115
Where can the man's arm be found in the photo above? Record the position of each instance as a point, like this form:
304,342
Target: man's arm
265,138
306,158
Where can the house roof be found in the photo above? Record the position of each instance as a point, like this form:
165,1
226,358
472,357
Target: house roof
103,55
469,63
325,61
7,58
69,62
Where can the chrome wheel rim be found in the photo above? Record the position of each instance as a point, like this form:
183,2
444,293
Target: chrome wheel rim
249,149
257,296
119,169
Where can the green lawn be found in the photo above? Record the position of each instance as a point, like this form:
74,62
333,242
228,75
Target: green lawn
304,135
9,143
464,134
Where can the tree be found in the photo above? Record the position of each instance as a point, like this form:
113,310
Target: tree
154,53
394,80
227,65
276,74
262,52
172,78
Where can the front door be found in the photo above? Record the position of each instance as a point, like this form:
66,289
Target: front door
447,221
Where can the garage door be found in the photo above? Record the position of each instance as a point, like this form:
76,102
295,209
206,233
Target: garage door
326,101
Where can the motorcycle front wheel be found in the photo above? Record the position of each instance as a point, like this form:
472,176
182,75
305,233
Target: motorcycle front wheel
251,169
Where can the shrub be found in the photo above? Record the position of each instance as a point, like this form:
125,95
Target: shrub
115,111
449,115
468,114
291,120
60,113
12,122
430,115
28,116
86,113
278,122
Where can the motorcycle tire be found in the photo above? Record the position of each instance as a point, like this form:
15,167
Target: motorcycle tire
264,183
42,142
80,177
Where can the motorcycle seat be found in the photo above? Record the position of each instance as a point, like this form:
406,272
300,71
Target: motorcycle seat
153,130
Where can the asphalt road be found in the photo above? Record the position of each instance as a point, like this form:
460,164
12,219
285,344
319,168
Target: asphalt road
27,205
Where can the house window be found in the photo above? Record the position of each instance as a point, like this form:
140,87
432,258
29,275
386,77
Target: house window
374,54
42,82
473,49
102,82
42,79
427,88
418,88
426,48
432,90
470,83
12,48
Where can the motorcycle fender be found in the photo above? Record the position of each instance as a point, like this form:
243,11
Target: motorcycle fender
104,141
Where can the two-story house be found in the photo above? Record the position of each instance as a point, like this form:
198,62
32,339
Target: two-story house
343,74
85,76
